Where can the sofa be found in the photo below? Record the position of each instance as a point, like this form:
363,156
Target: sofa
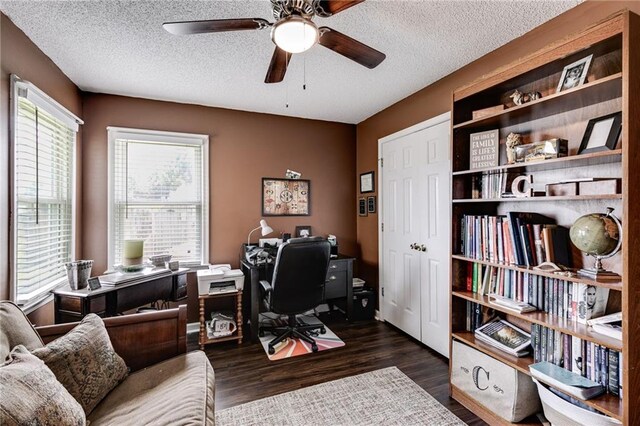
165,385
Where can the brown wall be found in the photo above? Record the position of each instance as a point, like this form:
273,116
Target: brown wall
436,99
18,55
244,147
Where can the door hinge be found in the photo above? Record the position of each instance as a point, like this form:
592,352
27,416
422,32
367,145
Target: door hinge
382,224
381,162
382,291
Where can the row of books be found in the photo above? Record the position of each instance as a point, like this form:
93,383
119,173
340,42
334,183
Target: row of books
493,184
518,238
595,362
564,299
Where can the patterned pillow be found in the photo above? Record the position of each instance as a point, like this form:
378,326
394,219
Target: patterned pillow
31,395
84,361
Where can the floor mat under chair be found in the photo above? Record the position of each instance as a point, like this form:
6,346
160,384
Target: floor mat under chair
296,347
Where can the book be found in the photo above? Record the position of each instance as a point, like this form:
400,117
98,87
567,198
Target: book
510,304
505,336
609,325
614,373
566,381
592,302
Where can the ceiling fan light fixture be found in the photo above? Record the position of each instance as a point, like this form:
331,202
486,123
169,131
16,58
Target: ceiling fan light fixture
294,34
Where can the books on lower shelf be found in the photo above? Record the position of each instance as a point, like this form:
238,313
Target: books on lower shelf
609,325
517,290
565,380
505,336
595,362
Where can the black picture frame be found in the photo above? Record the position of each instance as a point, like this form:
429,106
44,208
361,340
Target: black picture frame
301,229
596,141
362,206
94,283
367,182
371,204
269,205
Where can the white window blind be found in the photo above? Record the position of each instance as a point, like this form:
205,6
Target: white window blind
158,194
43,195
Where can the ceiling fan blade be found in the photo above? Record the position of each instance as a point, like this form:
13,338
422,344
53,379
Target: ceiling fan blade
215,26
350,48
326,8
278,66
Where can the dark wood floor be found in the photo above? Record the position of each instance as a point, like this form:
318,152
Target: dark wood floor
244,373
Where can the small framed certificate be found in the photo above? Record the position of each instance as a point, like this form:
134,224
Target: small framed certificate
94,283
367,182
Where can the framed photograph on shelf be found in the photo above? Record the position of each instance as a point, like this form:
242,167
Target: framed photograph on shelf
286,197
574,74
303,231
362,206
371,204
367,183
602,133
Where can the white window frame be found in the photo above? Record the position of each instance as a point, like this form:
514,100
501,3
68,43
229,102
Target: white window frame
114,133
29,90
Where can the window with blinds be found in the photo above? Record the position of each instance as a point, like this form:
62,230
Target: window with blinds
43,195
158,194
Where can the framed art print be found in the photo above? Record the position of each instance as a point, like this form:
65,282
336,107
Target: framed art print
303,231
574,74
285,197
602,133
367,183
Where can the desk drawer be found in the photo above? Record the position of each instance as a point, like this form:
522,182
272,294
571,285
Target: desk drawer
337,265
336,285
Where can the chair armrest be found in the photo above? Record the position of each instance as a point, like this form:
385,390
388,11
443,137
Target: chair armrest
266,287
140,339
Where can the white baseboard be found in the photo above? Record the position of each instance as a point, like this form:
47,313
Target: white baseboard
376,315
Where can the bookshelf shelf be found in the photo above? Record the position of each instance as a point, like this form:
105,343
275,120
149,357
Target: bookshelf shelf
571,161
553,322
535,199
612,285
613,46
608,404
600,90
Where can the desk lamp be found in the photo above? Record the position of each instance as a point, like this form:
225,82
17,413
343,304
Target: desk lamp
266,230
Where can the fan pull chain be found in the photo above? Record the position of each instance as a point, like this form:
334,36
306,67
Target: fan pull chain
286,100
304,72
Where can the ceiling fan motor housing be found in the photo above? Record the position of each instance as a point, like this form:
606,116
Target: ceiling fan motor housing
284,8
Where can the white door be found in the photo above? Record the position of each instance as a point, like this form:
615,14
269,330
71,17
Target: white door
414,266
435,235
401,217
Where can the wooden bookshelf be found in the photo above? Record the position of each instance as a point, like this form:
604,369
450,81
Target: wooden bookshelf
612,86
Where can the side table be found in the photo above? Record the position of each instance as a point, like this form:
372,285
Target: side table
237,335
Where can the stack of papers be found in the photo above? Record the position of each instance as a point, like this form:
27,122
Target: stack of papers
510,304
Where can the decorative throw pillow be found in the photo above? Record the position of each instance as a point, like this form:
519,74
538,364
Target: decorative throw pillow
84,361
31,395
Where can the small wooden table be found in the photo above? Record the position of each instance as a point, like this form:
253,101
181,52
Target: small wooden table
237,335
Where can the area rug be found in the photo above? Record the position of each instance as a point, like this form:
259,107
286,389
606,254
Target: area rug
296,347
381,397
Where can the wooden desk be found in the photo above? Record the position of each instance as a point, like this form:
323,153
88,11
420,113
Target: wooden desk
339,285
108,301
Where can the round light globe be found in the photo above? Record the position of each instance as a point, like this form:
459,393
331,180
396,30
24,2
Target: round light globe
294,34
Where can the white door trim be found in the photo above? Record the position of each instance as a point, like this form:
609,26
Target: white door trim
409,130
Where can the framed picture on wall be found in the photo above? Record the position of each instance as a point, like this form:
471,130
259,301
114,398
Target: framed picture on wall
286,197
362,206
367,183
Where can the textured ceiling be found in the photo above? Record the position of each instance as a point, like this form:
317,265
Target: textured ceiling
119,47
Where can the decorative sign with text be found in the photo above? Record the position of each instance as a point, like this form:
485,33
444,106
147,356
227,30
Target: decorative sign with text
484,150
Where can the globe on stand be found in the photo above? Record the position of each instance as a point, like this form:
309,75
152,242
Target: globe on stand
598,235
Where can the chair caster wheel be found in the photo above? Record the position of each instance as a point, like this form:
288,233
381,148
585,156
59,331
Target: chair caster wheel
271,350
323,330
261,333
314,348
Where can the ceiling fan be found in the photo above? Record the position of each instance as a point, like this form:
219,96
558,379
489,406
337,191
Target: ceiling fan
293,32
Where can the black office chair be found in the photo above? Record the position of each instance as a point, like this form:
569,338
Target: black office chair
297,286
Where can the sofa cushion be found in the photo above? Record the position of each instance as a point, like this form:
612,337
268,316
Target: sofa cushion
16,330
31,395
84,361
177,391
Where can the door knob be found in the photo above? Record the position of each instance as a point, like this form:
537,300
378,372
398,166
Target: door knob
412,246
423,248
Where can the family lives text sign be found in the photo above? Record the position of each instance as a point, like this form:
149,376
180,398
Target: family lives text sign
484,149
